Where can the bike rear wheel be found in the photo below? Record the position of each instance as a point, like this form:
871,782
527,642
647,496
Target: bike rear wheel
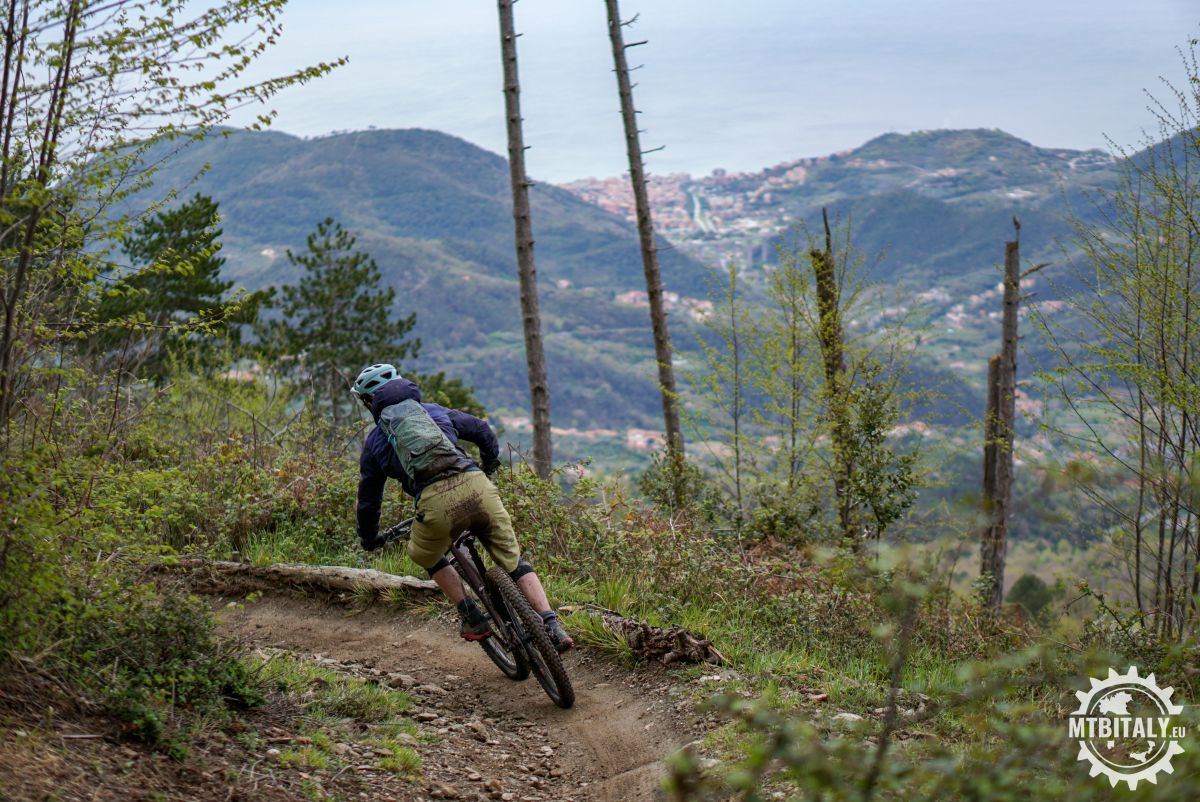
543,658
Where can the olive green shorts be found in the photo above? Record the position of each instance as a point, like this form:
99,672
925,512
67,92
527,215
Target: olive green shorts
464,501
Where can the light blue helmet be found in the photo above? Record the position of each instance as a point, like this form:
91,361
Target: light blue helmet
373,377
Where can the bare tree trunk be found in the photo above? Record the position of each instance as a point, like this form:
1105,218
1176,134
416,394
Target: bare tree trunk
654,290
995,540
991,450
834,361
736,403
539,387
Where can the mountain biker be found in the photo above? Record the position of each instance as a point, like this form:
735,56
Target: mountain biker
460,496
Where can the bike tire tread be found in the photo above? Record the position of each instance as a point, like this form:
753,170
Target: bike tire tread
533,623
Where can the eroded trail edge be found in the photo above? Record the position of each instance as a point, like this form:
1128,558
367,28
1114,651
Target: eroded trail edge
496,739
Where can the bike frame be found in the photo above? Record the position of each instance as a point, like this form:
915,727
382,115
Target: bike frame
465,559
517,654
467,562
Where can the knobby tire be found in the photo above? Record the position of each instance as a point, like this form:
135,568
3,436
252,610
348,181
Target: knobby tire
552,674
508,657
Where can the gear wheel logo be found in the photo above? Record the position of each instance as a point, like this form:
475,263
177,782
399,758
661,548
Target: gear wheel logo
1127,728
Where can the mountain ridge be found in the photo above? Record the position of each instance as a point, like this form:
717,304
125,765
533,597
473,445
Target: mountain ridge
434,210
723,215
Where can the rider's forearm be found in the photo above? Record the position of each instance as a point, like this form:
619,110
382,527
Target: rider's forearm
370,501
478,431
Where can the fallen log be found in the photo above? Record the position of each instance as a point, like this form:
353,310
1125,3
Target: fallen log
668,646
320,577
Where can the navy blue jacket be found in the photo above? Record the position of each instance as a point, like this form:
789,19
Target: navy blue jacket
379,461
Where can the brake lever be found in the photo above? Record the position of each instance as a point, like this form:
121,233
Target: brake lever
399,532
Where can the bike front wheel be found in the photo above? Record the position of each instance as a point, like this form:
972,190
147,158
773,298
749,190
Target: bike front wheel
531,633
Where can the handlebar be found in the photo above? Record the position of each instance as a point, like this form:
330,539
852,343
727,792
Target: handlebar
399,532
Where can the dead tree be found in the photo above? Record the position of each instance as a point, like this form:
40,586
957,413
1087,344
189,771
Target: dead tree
539,386
989,561
833,358
637,177
998,430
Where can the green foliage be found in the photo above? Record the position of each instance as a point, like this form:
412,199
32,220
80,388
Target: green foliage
988,728
29,567
676,485
803,411
137,650
1031,593
337,318
772,597
305,757
363,701
403,760
545,523
795,517
796,620
883,484
786,371
148,651
171,295
1013,742
89,491
204,465
91,91
436,388
1124,365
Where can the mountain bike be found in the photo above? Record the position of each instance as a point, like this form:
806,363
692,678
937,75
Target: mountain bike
519,642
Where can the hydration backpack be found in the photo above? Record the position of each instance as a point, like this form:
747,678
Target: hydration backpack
424,450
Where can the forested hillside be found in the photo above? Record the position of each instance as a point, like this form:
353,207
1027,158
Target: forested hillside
927,211
436,213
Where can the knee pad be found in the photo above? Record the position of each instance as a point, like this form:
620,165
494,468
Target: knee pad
523,568
437,566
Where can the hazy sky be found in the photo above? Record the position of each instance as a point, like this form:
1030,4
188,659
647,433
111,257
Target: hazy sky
739,84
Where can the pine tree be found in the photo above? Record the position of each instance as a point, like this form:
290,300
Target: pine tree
337,319
171,295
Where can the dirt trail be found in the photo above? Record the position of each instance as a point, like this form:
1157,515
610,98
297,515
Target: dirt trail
608,748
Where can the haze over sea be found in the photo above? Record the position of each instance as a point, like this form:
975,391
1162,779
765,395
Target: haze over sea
737,85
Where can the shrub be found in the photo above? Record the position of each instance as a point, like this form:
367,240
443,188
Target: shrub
1031,593
74,601
1014,748
147,652
678,486
29,578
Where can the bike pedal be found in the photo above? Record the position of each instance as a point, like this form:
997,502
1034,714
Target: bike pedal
476,638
